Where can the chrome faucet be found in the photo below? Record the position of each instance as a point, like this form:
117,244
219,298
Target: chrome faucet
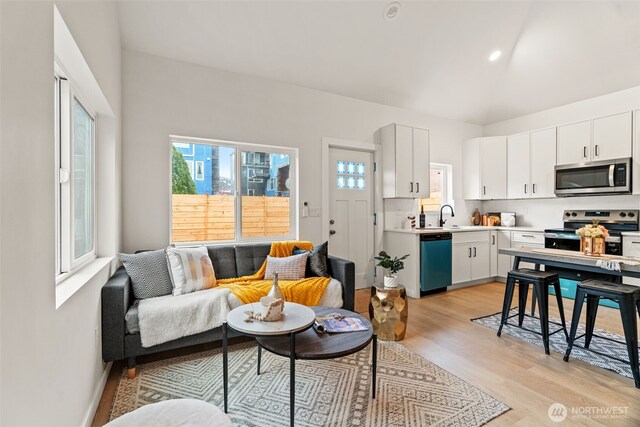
442,221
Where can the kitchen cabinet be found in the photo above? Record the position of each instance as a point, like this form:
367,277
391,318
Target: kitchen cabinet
484,162
603,138
504,261
527,239
531,158
636,152
493,261
574,143
631,247
543,161
405,162
471,256
612,137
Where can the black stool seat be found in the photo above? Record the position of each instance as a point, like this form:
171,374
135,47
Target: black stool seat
598,286
527,273
627,297
540,280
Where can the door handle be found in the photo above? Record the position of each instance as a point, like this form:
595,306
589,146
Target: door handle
411,191
611,170
525,189
332,222
332,232
417,187
469,252
534,188
584,152
596,147
474,252
484,190
493,240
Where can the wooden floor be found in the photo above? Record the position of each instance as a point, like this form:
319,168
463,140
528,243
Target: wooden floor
513,371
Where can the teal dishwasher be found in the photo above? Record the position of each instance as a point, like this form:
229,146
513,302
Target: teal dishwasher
435,262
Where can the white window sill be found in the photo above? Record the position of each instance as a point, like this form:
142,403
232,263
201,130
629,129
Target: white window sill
72,284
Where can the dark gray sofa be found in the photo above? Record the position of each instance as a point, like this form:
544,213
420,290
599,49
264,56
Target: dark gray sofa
228,261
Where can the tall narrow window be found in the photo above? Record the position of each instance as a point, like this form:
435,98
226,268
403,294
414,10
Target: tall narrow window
75,165
440,187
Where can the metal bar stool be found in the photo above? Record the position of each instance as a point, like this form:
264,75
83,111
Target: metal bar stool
628,298
540,280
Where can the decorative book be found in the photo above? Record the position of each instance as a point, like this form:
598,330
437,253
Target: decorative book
338,323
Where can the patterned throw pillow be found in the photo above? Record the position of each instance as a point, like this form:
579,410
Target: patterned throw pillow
317,261
288,268
149,273
191,269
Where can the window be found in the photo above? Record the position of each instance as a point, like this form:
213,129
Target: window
191,168
75,187
350,175
440,187
199,170
247,193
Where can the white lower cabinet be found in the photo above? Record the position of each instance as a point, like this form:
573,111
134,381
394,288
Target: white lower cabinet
527,239
471,256
631,247
504,261
494,253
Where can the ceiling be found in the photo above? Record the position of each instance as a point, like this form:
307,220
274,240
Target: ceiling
433,58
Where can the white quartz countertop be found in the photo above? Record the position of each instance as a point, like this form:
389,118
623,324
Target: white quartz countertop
462,228
627,233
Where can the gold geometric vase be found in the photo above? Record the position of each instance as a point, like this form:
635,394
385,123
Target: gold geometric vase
388,311
592,246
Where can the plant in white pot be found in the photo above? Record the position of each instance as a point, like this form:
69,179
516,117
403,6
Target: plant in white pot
392,265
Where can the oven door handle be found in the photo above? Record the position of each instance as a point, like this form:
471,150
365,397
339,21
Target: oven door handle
611,180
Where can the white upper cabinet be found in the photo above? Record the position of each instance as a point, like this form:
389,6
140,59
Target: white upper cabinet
405,162
574,143
518,181
484,163
604,138
543,160
612,137
471,169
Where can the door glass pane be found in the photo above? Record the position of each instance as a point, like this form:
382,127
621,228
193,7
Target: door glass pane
82,180
265,186
203,193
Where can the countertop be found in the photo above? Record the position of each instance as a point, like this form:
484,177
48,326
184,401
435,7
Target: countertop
631,233
463,228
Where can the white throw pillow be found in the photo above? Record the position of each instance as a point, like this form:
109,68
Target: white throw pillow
191,269
288,268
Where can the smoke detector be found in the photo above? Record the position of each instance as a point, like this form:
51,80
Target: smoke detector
391,12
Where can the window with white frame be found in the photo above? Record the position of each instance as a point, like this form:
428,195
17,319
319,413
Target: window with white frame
75,187
440,186
249,194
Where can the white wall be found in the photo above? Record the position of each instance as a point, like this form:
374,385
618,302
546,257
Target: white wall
50,366
163,97
548,212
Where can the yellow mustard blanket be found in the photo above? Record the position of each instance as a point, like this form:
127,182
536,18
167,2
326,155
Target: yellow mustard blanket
250,289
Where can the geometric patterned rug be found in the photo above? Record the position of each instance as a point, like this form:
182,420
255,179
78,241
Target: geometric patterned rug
411,390
558,342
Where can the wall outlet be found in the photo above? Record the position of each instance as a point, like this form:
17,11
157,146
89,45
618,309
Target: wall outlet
315,212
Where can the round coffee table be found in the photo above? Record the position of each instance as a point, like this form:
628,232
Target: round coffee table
301,342
297,318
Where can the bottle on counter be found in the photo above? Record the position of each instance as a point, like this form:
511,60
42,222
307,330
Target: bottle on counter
422,217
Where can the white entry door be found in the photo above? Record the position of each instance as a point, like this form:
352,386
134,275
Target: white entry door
351,208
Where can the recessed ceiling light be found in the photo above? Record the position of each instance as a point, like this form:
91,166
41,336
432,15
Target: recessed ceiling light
495,55
391,12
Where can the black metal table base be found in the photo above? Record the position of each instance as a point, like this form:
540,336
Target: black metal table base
292,369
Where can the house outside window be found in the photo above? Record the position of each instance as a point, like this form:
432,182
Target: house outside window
240,184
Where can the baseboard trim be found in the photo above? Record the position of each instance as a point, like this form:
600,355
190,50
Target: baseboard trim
97,395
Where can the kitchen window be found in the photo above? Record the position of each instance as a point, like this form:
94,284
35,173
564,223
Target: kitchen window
247,194
441,187
75,190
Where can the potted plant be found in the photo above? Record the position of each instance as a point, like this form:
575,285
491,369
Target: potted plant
592,238
392,265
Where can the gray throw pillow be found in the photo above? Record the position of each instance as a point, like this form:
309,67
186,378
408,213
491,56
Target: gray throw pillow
149,273
316,261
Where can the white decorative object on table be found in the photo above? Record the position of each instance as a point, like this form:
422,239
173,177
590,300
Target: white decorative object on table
273,310
296,317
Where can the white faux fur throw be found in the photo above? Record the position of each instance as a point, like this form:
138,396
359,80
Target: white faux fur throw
169,317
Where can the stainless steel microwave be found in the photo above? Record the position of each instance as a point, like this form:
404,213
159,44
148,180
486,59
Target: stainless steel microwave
603,177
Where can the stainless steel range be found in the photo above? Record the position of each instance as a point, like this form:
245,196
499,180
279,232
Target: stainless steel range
616,221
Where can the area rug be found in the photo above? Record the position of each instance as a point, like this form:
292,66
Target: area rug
558,342
411,390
